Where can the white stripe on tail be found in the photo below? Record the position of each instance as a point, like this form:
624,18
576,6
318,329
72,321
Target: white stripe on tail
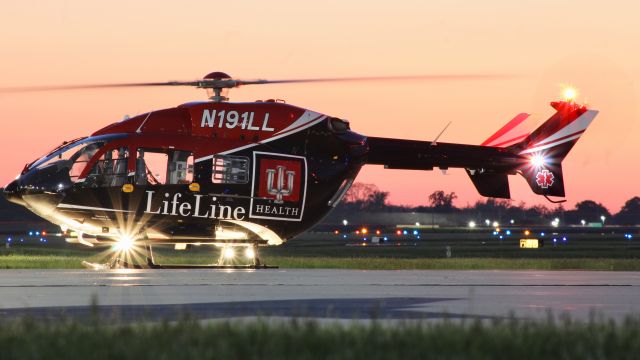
570,132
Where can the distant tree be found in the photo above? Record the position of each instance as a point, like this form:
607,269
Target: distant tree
377,200
630,212
587,210
360,192
490,209
442,201
492,204
538,210
559,213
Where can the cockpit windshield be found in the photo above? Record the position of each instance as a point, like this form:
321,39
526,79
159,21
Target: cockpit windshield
79,151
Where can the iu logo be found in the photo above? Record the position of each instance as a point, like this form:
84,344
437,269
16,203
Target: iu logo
279,190
544,179
279,186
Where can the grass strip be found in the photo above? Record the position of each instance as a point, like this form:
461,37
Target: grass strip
306,339
455,263
72,260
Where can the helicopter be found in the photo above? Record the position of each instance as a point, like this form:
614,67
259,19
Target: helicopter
250,174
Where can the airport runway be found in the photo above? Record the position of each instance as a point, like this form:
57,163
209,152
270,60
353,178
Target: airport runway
130,295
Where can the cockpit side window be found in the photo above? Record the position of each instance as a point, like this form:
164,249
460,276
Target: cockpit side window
110,169
81,158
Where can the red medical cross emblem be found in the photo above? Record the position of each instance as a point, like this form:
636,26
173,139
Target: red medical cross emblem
544,178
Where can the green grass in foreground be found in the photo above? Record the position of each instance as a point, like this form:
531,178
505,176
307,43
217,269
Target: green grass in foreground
455,263
296,339
37,258
40,258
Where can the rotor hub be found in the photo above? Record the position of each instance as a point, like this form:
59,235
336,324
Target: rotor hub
217,75
217,85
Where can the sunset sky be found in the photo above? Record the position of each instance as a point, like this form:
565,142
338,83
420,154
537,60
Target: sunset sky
593,45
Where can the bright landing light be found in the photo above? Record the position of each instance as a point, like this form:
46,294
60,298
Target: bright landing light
125,243
249,253
229,253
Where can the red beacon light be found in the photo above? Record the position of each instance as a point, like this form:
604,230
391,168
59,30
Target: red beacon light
569,94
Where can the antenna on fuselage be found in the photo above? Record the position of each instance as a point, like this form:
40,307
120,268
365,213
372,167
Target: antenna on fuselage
435,141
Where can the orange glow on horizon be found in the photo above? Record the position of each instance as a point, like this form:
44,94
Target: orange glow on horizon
107,42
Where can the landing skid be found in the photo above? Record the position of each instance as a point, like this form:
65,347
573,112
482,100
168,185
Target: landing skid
152,265
118,263
115,264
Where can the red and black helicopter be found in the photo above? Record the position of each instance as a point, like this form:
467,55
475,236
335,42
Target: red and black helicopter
255,173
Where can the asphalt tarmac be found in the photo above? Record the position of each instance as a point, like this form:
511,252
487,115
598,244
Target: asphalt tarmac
132,295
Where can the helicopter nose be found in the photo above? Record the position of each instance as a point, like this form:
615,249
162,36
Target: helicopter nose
11,192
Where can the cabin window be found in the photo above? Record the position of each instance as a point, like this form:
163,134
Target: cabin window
110,169
170,167
180,168
230,169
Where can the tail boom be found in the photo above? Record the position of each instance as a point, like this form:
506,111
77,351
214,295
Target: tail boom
536,155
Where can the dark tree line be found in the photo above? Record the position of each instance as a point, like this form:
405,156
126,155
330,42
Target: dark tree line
367,197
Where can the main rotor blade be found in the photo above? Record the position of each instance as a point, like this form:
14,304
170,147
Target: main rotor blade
94,86
379,78
231,83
